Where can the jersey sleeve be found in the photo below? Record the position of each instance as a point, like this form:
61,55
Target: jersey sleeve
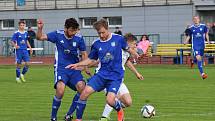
124,44
14,37
52,36
82,46
93,53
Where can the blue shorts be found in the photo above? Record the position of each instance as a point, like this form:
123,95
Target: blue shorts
69,77
198,52
22,54
98,84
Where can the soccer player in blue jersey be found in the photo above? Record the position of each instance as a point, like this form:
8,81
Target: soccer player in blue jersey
20,43
66,52
198,34
108,50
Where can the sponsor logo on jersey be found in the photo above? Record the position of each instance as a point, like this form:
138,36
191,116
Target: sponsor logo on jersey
74,44
113,44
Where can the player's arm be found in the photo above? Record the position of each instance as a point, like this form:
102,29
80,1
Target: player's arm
40,35
84,56
29,46
133,52
14,44
85,62
186,40
134,70
207,37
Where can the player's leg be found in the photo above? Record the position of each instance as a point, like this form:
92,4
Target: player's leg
95,83
18,68
111,99
78,85
18,58
124,96
26,59
106,113
60,81
198,55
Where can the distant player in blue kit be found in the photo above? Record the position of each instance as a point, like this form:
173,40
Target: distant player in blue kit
20,43
68,43
107,49
198,34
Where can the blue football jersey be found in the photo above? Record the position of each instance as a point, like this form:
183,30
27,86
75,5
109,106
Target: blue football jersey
21,39
198,36
66,50
109,53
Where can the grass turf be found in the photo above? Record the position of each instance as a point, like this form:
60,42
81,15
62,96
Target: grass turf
177,93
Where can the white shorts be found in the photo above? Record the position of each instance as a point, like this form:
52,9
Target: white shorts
122,90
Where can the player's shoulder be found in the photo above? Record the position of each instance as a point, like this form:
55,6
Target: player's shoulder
202,24
78,35
59,31
117,35
96,41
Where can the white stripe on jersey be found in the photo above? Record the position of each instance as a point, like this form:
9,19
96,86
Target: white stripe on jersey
125,56
56,63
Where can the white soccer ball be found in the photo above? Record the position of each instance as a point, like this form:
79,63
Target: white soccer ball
148,111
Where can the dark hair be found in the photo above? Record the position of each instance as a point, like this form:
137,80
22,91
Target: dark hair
147,37
130,37
21,22
101,23
71,22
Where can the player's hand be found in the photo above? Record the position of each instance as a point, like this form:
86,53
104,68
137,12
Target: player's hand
73,66
31,51
16,46
40,23
139,76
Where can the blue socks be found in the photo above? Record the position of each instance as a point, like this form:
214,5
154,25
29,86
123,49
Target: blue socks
17,72
199,63
74,104
81,104
24,70
117,105
55,106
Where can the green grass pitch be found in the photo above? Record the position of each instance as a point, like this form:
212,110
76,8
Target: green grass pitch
177,93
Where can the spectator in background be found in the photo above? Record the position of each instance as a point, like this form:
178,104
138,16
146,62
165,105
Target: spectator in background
187,33
31,37
118,31
213,29
143,45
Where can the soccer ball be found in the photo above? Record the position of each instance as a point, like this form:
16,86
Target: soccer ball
148,111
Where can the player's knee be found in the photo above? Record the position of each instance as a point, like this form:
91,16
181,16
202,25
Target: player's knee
198,57
86,93
60,89
110,101
128,102
80,86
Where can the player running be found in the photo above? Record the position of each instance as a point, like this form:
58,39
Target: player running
198,34
20,43
108,50
67,45
123,93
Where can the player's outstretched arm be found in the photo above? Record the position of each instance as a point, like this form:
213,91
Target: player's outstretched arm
40,35
85,62
134,70
133,52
